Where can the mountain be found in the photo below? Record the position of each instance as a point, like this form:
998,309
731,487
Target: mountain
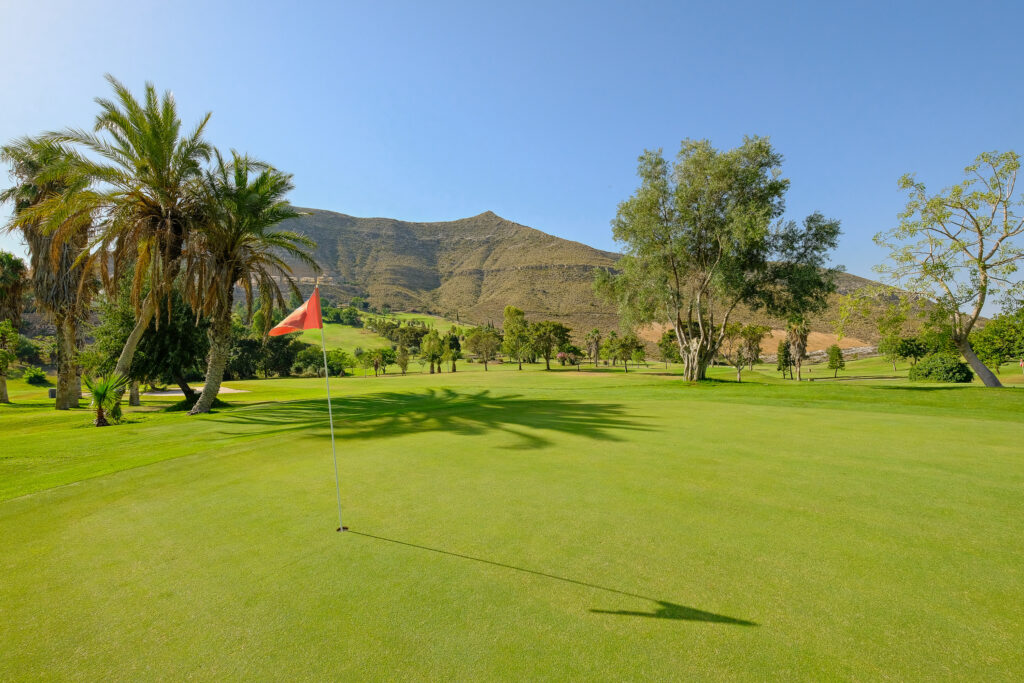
470,269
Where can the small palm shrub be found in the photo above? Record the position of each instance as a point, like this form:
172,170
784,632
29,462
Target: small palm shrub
941,367
35,376
105,392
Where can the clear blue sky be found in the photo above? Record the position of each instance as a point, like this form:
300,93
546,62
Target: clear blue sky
537,111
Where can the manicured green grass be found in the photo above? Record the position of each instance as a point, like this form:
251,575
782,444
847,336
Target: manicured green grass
521,525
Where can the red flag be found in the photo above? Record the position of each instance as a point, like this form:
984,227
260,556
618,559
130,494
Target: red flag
305,317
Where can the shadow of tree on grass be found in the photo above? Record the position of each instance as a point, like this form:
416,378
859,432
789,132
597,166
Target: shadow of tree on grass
472,413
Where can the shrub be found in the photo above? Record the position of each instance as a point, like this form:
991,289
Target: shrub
941,367
35,376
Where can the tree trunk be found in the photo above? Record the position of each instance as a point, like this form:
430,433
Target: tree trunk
453,365
67,368
124,361
133,394
185,388
980,369
547,363
485,365
431,367
101,419
520,363
4,398
220,348
739,371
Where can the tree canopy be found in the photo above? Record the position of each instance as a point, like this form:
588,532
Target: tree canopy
961,246
701,236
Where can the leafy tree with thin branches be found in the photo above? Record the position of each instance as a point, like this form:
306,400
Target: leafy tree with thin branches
516,331
484,342
961,246
700,238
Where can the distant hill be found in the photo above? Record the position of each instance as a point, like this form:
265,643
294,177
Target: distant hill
470,269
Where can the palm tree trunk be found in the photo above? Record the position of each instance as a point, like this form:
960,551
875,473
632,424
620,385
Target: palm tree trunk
4,398
101,419
124,361
67,367
220,348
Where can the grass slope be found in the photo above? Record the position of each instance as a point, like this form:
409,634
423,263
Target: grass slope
516,525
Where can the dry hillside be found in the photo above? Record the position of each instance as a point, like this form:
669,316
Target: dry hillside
470,269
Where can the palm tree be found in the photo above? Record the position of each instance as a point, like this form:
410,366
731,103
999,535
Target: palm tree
106,394
8,342
12,286
593,342
237,245
143,177
797,331
58,243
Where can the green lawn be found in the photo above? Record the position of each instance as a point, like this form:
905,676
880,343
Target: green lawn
348,338
519,526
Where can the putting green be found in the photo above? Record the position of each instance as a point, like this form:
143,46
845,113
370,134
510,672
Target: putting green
511,525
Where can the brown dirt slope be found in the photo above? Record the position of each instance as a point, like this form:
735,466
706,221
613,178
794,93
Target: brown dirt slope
470,269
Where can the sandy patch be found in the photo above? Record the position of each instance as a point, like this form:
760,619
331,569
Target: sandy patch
817,341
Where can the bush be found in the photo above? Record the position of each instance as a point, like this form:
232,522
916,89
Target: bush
941,367
35,376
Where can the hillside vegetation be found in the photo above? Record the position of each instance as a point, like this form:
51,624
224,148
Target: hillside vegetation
470,269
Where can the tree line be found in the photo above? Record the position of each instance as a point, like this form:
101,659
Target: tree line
140,205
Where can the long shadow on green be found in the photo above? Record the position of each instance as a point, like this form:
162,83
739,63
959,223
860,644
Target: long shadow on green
396,413
667,610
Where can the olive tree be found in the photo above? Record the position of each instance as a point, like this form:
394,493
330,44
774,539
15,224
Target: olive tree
961,246
701,237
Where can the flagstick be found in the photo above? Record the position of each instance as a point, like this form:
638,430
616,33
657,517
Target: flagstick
330,416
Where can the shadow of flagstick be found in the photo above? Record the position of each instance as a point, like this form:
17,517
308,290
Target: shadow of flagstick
667,610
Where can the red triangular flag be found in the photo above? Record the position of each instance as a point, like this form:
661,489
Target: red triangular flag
305,317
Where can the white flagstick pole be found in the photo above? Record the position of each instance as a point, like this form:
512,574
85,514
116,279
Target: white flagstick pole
330,416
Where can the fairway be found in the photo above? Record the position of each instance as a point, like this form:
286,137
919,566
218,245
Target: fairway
520,525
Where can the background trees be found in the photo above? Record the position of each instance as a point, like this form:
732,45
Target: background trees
516,342
484,342
142,176
13,281
699,241
8,341
784,359
836,362
593,344
1001,340
546,338
961,246
797,331
57,237
741,346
